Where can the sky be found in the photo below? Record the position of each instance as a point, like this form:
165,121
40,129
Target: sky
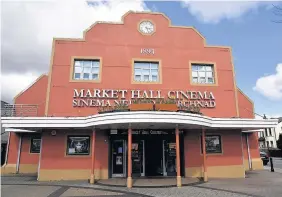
249,27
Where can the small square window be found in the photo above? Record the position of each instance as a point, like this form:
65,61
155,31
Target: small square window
86,69
35,144
203,74
78,145
213,144
146,71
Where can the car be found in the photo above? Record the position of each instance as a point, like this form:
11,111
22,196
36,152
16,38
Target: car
264,157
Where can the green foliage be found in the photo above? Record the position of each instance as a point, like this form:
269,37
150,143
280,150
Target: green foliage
121,106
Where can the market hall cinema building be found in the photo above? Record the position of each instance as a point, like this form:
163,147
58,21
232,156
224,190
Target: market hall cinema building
142,57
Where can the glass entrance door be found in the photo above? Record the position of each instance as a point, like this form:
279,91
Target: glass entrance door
169,155
138,158
118,158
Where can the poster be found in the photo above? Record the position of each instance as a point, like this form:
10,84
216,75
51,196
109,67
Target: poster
118,160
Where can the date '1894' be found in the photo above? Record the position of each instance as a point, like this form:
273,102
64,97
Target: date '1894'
148,51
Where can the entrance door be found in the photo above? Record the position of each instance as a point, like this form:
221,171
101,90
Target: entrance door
154,156
118,158
169,155
138,161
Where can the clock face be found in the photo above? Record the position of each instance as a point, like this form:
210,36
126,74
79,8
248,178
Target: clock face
146,27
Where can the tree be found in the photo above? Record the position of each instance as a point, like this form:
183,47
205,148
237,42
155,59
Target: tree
278,12
279,142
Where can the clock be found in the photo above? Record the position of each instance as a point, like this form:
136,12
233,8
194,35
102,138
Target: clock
146,27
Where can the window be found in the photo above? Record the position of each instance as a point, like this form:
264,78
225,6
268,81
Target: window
271,143
270,133
267,143
86,70
262,134
78,145
146,72
266,133
35,144
213,144
203,73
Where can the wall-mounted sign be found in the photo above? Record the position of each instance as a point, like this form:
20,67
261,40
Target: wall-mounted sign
148,51
108,97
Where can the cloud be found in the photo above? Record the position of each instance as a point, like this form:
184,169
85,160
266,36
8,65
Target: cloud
14,83
28,29
271,86
215,11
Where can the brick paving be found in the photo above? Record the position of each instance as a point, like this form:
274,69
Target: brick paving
257,184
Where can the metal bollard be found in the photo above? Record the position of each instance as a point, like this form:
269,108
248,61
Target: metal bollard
271,165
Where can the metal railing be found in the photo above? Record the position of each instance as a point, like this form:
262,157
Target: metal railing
19,110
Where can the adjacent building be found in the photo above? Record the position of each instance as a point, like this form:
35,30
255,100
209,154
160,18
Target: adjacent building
143,58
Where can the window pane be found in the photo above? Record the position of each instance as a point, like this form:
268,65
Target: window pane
146,72
154,65
154,78
146,78
201,68
77,63
154,72
77,75
95,70
195,79
137,72
87,64
208,68
86,76
194,68
202,74
77,69
137,78
194,74
95,64
202,80
87,70
210,80
209,74
95,76
141,65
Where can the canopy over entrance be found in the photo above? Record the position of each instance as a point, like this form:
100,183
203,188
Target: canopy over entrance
136,119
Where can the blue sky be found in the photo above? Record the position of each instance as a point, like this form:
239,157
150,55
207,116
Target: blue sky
246,26
256,43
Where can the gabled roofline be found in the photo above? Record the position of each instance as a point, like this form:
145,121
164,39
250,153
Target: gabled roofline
14,100
140,12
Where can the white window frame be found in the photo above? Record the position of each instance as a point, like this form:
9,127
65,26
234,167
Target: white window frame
150,69
195,69
95,63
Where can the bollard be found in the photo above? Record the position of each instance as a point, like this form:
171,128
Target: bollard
271,165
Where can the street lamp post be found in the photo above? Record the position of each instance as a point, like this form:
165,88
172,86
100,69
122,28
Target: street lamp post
270,158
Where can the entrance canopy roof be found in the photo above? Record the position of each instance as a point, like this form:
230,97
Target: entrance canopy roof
137,120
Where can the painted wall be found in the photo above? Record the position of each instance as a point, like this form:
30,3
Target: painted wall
57,165
246,110
229,163
28,161
33,95
119,44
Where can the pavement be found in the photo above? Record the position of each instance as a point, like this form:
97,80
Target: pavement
257,183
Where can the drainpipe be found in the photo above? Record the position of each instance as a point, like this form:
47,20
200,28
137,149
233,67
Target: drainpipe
19,154
242,147
7,150
249,154
40,155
